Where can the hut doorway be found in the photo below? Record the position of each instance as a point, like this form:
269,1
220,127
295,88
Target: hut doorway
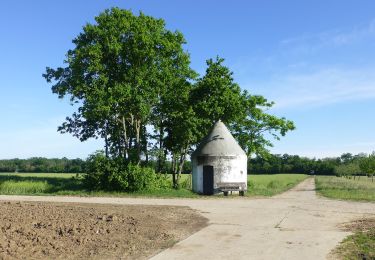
208,180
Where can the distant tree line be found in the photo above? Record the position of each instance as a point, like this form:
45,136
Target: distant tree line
346,165
40,164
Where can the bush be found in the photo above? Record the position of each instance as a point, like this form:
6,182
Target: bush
98,168
140,178
115,174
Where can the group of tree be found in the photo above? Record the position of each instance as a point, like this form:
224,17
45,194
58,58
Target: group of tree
347,165
131,81
40,164
357,165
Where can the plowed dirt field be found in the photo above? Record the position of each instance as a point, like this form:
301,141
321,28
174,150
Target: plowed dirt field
42,230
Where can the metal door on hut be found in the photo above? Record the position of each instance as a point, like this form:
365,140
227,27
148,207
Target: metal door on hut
208,180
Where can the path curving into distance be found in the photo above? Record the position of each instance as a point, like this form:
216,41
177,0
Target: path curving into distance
294,225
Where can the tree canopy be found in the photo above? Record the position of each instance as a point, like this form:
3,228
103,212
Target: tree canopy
131,81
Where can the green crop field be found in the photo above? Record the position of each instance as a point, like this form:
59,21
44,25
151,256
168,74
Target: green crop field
39,183
70,184
343,188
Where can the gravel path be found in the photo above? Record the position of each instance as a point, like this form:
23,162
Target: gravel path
294,225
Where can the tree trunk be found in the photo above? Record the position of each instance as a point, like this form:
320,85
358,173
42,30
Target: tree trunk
174,172
160,155
106,144
137,139
125,138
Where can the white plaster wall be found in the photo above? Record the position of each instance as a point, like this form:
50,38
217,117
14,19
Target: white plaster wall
234,170
225,170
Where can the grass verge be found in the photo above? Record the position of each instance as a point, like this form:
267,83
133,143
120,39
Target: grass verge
360,245
348,189
69,184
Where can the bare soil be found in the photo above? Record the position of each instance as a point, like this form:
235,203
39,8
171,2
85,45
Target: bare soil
360,245
42,230
359,225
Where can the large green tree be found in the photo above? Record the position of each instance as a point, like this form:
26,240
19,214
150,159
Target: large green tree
128,74
216,96
116,74
254,130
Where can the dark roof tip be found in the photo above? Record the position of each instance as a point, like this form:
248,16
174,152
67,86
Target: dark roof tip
219,141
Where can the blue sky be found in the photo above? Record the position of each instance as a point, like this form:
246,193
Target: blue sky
315,59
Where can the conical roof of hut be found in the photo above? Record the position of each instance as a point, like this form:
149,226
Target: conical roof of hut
219,142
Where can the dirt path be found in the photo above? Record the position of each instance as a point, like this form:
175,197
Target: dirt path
294,225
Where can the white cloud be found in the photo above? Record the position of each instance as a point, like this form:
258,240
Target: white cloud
323,87
332,38
315,70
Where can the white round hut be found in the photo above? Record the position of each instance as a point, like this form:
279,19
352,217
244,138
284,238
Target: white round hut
219,163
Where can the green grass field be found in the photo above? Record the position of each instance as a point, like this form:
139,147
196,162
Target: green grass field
347,189
69,184
269,185
39,183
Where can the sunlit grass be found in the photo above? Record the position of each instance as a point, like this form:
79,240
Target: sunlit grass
269,185
348,189
24,187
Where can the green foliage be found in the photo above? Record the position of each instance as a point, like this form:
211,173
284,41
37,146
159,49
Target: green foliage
98,170
343,188
275,163
139,178
127,72
367,165
347,165
105,173
215,96
252,129
117,73
350,169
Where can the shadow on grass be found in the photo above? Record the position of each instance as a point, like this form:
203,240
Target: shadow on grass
55,185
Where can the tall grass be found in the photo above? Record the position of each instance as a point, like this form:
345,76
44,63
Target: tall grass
269,185
343,188
39,183
24,187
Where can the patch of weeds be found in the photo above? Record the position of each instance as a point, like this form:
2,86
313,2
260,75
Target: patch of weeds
360,245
